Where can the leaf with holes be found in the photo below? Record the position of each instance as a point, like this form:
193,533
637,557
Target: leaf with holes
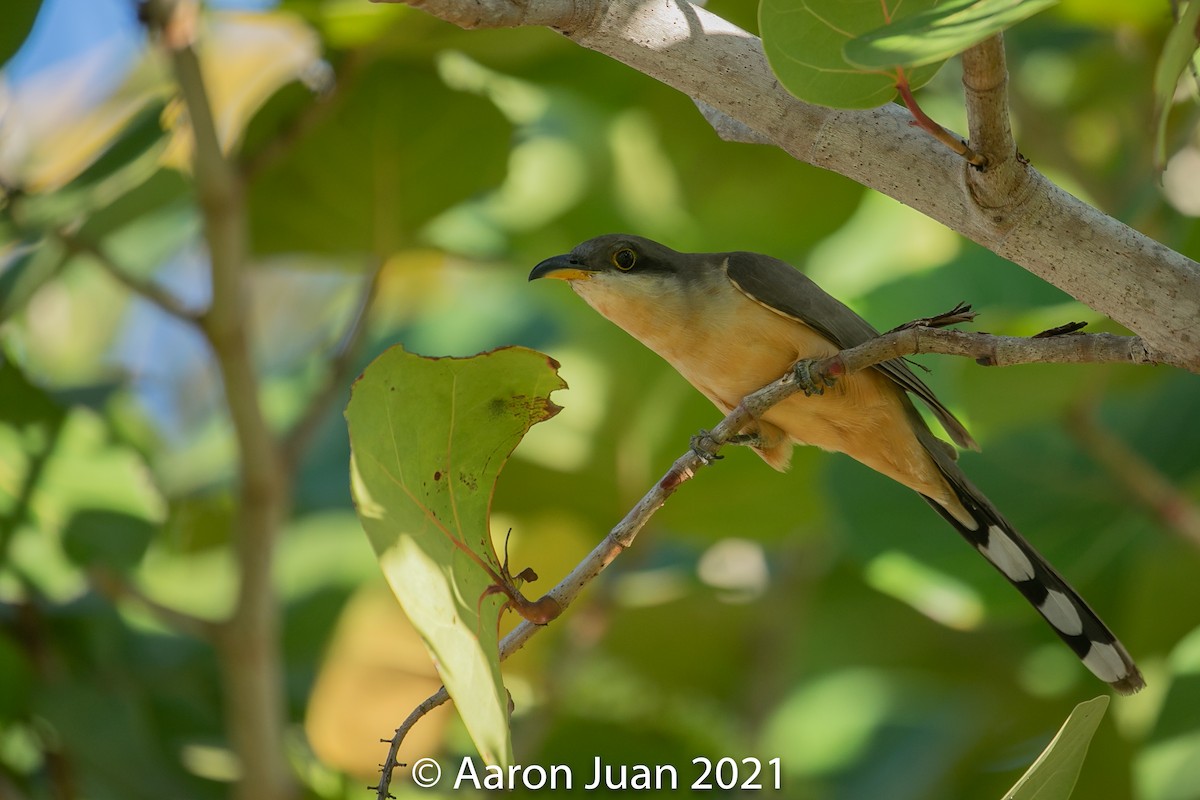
804,42
938,33
428,438
1053,775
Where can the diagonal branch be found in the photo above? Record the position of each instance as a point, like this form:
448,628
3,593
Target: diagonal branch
920,336
1174,510
297,439
144,288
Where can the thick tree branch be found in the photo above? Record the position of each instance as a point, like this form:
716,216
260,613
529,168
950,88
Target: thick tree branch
248,642
1104,263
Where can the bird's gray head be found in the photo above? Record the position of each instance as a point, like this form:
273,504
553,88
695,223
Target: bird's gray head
612,255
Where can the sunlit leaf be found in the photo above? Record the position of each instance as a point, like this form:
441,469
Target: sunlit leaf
804,41
428,438
938,33
1053,775
55,128
246,58
1178,52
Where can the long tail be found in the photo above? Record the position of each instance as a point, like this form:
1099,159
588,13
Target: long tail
1061,606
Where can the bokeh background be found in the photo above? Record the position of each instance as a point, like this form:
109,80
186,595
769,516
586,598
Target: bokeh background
823,616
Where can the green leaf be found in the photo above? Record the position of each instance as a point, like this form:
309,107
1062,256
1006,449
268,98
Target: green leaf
19,16
428,438
27,262
938,33
97,536
1178,51
804,42
1053,775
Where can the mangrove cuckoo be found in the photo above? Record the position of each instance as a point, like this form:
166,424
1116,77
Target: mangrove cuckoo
731,323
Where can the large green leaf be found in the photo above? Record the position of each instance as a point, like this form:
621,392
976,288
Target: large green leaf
804,41
1179,50
1053,775
938,33
428,438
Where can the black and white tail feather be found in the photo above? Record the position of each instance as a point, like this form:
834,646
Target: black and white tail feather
1060,605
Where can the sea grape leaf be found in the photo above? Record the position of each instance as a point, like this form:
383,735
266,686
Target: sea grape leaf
804,41
938,33
428,439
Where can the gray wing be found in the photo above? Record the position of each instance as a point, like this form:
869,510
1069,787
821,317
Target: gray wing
783,288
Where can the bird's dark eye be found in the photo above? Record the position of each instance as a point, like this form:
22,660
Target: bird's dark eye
624,259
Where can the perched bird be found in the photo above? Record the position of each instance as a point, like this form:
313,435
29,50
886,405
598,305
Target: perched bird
731,323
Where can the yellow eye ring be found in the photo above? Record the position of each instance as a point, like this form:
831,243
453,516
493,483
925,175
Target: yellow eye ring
624,259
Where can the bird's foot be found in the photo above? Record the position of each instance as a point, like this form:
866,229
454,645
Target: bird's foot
705,448
811,378
746,440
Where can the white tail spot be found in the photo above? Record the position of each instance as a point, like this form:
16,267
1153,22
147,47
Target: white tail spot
1060,612
1105,662
1007,556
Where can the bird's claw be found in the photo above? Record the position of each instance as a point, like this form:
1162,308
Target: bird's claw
746,440
812,381
705,448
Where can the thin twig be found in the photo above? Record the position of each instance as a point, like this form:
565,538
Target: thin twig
1153,490
990,350
116,587
920,336
297,439
927,123
144,288
389,764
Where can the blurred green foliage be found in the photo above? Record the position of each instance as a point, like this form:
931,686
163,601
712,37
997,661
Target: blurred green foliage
760,615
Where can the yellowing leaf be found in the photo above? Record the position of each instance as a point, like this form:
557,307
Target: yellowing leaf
428,439
246,58
52,126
